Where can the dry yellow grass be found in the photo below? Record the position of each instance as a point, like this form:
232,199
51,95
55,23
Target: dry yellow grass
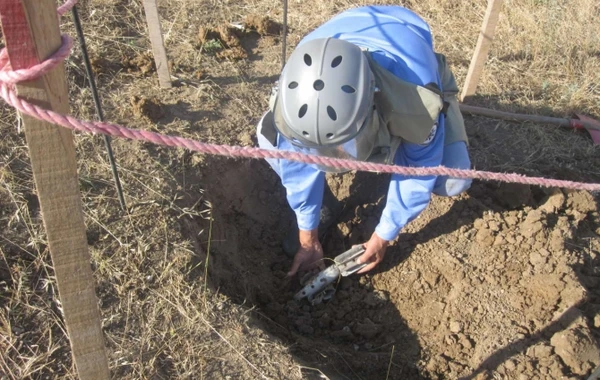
158,319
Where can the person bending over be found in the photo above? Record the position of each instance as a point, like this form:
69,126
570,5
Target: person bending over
366,85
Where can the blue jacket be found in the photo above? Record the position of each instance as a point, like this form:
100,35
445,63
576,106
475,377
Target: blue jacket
400,41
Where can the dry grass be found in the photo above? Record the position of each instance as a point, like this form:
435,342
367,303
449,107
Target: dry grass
159,320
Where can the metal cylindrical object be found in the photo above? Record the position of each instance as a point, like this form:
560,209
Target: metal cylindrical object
318,283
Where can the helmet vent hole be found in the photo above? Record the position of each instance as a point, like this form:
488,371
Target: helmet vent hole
307,60
318,85
305,134
293,85
302,111
331,113
336,61
348,89
329,136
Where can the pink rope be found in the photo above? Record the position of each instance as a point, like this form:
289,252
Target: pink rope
249,152
66,7
8,78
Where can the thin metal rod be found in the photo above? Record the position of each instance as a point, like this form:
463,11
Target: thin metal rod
284,31
523,117
90,75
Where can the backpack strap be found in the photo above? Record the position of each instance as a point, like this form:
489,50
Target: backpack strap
435,88
267,128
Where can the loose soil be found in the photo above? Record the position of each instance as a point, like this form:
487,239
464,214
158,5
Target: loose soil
500,282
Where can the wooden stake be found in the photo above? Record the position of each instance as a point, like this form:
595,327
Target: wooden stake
30,29
158,46
483,46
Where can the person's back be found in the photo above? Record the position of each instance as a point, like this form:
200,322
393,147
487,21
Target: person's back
366,73
398,39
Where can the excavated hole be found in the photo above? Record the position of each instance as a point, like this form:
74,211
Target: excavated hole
356,329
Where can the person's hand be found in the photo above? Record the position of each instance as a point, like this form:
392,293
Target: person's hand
310,253
374,253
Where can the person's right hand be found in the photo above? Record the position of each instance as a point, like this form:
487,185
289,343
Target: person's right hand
310,253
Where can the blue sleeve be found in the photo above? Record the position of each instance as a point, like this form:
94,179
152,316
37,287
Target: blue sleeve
408,196
304,186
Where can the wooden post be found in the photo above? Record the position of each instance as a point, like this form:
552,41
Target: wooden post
486,35
158,46
31,33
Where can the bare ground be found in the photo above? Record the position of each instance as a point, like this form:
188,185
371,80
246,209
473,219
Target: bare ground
501,282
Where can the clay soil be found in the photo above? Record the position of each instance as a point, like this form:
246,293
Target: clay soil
499,283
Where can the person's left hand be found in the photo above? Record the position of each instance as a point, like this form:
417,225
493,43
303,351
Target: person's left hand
374,252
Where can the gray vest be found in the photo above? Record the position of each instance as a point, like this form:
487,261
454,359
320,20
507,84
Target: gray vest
409,112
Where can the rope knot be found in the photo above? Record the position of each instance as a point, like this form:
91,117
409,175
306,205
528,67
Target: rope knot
11,77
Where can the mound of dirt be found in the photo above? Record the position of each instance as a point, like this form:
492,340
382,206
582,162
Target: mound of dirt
229,41
146,108
263,25
142,63
224,39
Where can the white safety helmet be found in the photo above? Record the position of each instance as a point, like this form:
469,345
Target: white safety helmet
325,100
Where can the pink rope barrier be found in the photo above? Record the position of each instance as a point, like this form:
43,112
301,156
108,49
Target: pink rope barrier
66,7
9,78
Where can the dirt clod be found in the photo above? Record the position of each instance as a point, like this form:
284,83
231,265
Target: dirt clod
367,330
485,237
228,36
532,225
234,53
145,107
455,327
264,25
142,63
577,349
223,40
